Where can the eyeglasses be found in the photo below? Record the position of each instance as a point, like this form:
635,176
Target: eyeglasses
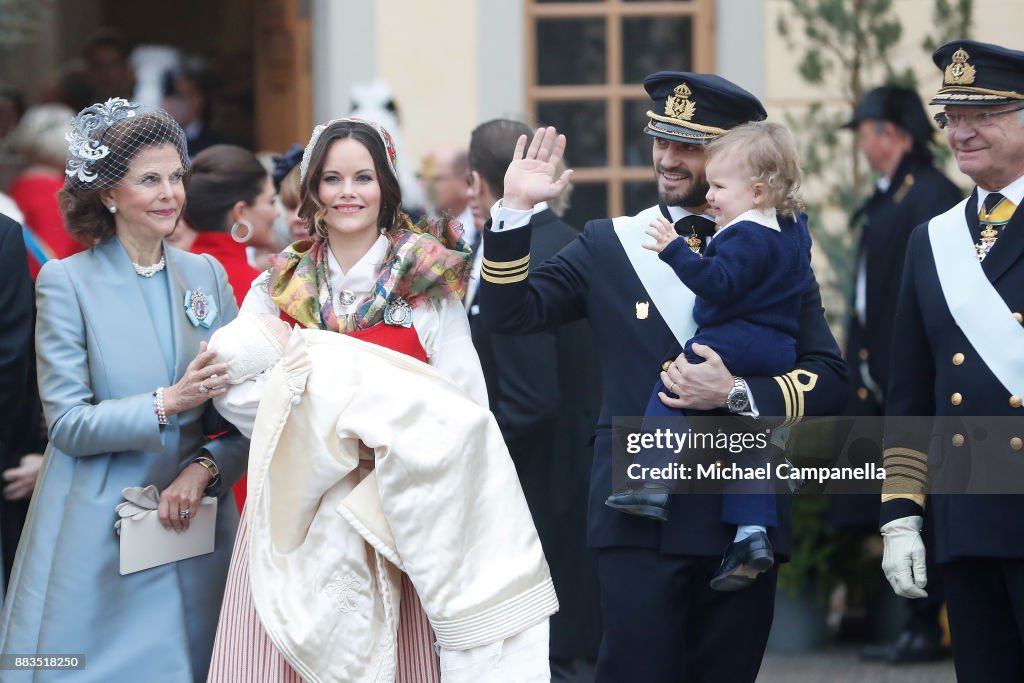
979,120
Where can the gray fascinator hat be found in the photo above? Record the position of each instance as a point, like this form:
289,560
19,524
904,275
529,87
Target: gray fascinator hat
105,137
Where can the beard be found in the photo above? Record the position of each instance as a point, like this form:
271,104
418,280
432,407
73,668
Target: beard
694,195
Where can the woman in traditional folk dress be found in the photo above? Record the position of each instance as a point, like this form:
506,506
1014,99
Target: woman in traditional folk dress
373,454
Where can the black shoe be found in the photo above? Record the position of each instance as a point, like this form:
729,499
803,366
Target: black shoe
743,562
909,647
648,502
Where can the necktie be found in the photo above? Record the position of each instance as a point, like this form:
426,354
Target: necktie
992,218
696,230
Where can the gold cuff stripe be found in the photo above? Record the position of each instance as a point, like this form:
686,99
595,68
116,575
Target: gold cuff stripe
687,124
894,472
909,457
972,93
506,272
504,280
908,452
787,396
905,462
499,265
914,468
916,497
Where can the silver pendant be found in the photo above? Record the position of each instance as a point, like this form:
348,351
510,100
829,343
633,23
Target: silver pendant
398,312
346,298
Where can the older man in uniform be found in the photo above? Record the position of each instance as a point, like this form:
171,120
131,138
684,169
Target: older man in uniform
661,620
958,352
895,135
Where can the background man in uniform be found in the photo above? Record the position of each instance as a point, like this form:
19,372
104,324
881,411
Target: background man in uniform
661,620
958,351
895,135
545,397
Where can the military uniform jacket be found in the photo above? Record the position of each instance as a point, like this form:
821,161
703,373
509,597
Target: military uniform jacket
545,395
592,278
935,371
918,191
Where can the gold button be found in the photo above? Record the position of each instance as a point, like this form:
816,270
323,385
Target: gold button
862,393
863,354
958,440
958,359
956,398
1015,401
665,365
1016,443
1018,317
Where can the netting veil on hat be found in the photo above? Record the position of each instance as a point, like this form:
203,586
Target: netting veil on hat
105,137
385,137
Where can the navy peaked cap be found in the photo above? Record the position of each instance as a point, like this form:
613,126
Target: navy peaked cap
697,108
979,73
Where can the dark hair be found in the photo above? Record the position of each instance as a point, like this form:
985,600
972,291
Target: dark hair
312,210
106,37
221,176
490,150
85,216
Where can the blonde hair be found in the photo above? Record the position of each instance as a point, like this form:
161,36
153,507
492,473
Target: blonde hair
769,153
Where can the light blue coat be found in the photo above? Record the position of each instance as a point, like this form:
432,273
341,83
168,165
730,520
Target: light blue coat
100,359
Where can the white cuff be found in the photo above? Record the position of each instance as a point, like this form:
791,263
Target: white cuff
504,218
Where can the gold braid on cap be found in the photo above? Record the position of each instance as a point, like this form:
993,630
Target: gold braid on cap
963,92
712,130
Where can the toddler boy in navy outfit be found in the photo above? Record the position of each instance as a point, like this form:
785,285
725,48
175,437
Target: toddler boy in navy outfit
748,288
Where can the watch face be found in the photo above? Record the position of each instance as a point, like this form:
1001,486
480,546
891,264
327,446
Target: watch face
737,400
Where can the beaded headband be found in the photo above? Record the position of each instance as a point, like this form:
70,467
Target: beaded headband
389,144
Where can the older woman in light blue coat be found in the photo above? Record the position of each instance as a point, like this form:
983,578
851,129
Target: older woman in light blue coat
125,380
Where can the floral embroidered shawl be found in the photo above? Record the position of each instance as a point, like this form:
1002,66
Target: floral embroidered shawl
426,261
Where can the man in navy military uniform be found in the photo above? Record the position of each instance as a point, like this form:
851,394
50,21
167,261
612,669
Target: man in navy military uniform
958,352
546,407
895,135
661,620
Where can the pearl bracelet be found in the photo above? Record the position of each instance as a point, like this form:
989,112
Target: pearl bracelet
158,406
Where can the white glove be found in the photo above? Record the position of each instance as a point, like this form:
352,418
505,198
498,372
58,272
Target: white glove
138,503
903,558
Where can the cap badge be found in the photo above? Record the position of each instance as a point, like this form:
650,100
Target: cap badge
959,72
679,106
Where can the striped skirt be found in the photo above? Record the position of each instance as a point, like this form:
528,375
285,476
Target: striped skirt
244,653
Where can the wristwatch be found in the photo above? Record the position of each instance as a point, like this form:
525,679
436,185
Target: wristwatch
738,400
211,467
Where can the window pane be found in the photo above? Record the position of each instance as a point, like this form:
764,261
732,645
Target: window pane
570,51
587,202
652,44
639,196
636,144
584,125
596,2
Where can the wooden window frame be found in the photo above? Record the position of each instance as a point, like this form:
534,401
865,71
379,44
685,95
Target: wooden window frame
614,93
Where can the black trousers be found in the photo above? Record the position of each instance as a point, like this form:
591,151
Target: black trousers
985,602
664,624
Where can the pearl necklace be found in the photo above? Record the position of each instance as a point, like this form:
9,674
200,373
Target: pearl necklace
150,271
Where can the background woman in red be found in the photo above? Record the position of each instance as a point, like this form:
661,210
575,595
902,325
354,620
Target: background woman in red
229,205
